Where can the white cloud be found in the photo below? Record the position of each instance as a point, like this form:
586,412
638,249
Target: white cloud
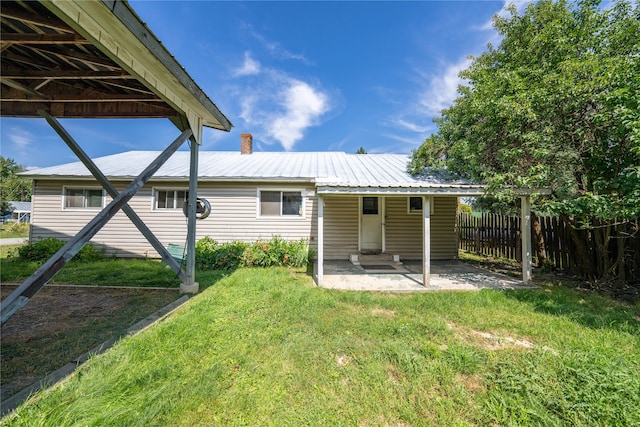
20,138
277,108
504,11
302,107
249,66
442,89
410,126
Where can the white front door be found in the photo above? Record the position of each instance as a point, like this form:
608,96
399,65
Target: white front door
371,225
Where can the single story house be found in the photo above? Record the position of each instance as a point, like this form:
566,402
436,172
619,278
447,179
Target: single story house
21,211
344,204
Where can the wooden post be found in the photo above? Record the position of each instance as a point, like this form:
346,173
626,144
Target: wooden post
320,272
106,184
525,232
19,297
190,285
426,241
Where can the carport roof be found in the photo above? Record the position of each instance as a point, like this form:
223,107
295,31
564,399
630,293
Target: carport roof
94,59
331,172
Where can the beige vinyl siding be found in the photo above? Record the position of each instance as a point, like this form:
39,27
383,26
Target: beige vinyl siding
233,217
403,231
340,227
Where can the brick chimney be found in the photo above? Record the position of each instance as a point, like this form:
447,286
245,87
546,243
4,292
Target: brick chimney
246,143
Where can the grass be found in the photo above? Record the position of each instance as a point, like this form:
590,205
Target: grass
65,329
106,272
6,233
266,347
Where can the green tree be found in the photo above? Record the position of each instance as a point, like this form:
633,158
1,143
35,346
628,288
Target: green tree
12,186
554,105
361,150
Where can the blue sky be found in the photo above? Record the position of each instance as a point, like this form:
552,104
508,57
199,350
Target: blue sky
299,76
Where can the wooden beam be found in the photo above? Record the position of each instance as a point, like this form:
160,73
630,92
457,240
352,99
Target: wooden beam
7,11
66,53
21,88
45,39
106,184
22,93
88,110
21,74
525,233
20,296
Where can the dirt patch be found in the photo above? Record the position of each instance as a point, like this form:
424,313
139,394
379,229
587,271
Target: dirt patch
62,322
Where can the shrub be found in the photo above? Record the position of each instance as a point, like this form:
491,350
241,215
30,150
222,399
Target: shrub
271,253
44,249
213,256
17,227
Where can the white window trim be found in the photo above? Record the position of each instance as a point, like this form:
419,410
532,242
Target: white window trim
410,212
303,194
154,192
82,187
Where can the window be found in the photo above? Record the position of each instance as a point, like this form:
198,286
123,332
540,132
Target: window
280,203
369,206
170,199
82,198
414,205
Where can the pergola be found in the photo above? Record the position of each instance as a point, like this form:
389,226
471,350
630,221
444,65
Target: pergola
97,59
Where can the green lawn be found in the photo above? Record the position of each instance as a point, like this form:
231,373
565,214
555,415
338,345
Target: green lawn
266,347
9,230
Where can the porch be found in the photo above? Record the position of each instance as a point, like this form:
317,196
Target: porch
408,276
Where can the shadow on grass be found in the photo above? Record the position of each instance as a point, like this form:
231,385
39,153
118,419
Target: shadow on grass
585,308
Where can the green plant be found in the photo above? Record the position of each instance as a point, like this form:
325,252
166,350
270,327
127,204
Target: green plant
276,252
17,228
44,249
210,255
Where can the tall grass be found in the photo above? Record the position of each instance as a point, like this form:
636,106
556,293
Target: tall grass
266,347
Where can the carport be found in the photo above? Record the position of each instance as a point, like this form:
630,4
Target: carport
97,59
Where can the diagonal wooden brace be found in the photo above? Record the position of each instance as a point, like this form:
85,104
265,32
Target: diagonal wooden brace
19,297
106,184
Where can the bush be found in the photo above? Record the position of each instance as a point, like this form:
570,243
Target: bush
17,228
44,249
271,253
213,256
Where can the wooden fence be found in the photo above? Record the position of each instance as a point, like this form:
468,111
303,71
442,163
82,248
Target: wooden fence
499,236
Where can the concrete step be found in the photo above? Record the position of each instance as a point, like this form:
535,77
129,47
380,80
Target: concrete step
385,258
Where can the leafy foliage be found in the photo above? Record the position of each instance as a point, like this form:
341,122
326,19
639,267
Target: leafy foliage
12,187
555,105
272,253
44,249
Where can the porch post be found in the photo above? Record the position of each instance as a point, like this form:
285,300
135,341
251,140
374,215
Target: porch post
426,241
525,232
320,273
190,285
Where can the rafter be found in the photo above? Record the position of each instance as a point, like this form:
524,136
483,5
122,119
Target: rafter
88,109
43,21
48,39
14,73
70,54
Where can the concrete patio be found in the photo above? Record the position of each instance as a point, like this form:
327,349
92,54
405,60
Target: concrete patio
407,276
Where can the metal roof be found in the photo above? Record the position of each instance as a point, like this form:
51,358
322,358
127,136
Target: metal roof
331,172
93,59
20,207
